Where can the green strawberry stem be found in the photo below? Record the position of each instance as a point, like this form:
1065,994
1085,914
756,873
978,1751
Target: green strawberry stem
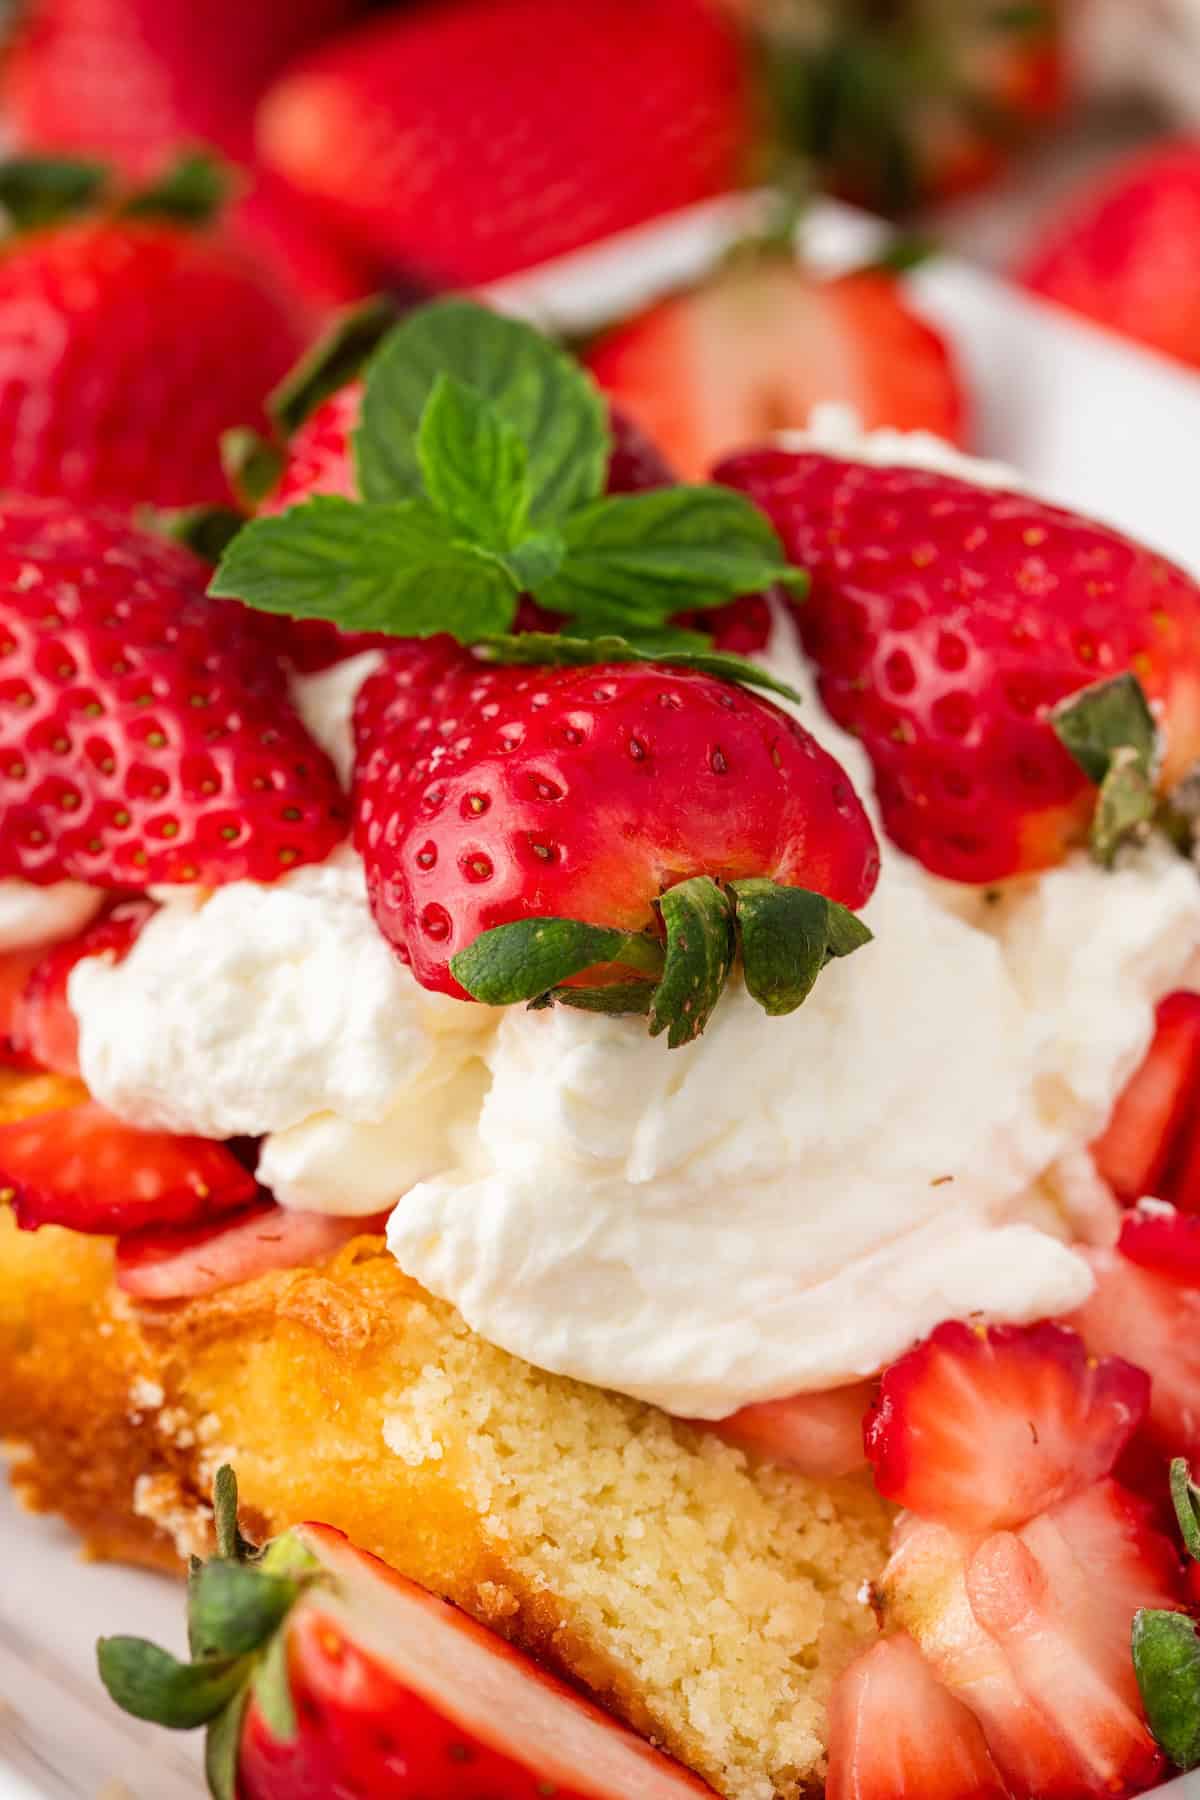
785,936
337,357
40,191
1111,732
1185,1496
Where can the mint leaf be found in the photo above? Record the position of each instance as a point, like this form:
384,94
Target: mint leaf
634,560
531,957
536,387
534,560
699,925
676,649
1166,1661
474,465
787,936
368,568
336,358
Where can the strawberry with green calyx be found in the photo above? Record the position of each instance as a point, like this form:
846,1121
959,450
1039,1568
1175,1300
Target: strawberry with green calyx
1166,1646
317,1669
153,334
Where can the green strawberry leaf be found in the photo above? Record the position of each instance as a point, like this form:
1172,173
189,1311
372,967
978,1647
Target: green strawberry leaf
273,1691
1110,731
620,997
222,1745
678,649
787,935
252,464
237,1606
42,190
191,192
1185,1496
152,1684
699,926
1166,1661
393,568
208,531
474,465
636,559
336,358
537,388
532,957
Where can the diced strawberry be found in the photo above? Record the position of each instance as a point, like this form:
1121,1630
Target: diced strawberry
1146,1306
83,1168
16,966
46,1029
1144,1131
819,1434
895,1733
181,1263
983,1428
1031,1630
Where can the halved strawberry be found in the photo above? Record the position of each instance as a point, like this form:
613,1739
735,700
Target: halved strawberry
323,1672
895,1733
45,1028
1031,1630
1141,1137
753,351
819,1434
982,1428
83,1168
16,966
1146,1306
181,1262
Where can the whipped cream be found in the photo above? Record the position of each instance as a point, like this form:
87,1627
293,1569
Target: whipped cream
31,915
250,1008
325,702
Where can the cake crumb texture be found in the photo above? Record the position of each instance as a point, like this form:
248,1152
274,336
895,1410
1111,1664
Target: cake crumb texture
707,1599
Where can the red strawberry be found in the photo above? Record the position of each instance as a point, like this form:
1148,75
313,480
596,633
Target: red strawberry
896,1734
1125,250
284,234
16,966
466,142
491,794
126,347
981,1428
45,1028
131,80
180,1262
757,347
1031,1630
1147,1307
393,1693
1149,1123
819,1434
144,734
946,619
85,1169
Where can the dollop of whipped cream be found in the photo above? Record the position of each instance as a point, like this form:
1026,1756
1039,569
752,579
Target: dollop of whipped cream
31,915
253,1009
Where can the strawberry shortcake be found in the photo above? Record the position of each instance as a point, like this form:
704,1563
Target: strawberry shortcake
632,1047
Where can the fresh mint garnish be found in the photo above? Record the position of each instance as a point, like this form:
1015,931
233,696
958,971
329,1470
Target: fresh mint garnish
481,454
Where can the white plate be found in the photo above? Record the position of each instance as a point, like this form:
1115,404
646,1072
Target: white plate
1089,420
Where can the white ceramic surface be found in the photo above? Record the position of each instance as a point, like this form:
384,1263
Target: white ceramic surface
1093,422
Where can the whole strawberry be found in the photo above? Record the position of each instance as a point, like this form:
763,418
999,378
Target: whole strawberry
467,141
145,735
491,796
1125,250
320,1671
130,338
948,620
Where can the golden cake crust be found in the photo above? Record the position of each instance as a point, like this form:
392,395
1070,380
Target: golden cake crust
706,1598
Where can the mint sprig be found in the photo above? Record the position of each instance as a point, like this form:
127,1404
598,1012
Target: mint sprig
481,454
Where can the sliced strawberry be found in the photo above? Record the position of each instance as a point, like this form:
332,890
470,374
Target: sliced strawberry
1141,1136
46,1029
178,1263
983,1428
895,1733
16,967
819,1434
1031,1629
1146,1306
754,350
83,1168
